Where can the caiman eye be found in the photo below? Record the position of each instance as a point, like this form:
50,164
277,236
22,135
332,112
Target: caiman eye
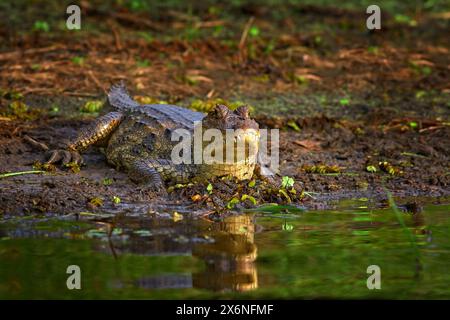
221,110
242,111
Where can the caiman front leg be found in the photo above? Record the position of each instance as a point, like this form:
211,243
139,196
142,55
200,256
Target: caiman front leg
97,131
153,172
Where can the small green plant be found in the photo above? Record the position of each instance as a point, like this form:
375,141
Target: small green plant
18,107
146,36
179,186
48,167
344,102
413,125
11,95
96,202
213,10
54,108
73,166
92,106
116,199
191,33
142,63
254,31
321,169
36,67
287,182
137,5
232,203
371,169
420,94
404,19
41,26
318,40
426,70
218,31
389,168
287,187
421,70
177,216
79,61
209,188
270,47
107,181
373,50
292,124
301,79
250,198
287,227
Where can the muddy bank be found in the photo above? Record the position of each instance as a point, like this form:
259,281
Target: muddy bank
328,160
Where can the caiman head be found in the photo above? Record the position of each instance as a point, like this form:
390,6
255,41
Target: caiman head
235,153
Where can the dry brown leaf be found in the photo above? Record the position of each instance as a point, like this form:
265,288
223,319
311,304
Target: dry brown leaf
308,144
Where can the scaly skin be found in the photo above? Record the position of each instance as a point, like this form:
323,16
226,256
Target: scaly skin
138,140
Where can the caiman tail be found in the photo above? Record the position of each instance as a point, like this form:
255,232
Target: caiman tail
119,98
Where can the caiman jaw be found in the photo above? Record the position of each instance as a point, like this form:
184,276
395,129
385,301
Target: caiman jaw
244,168
239,171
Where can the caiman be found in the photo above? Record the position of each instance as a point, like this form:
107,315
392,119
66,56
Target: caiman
138,139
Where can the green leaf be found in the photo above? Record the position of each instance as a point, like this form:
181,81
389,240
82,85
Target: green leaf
254,31
247,197
293,125
107,181
116,199
232,203
79,61
287,182
92,106
344,102
41,26
285,194
287,227
209,188
413,125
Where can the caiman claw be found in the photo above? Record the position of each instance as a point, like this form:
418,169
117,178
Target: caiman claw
64,156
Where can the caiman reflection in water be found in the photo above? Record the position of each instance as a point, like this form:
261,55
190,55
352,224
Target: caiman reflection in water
227,249
230,259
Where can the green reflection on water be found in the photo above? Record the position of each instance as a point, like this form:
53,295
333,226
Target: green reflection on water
318,254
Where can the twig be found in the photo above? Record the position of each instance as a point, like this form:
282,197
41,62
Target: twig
18,53
97,82
137,21
35,143
406,230
11,174
431,128
309,194
209,24
81,94
116,34
244,39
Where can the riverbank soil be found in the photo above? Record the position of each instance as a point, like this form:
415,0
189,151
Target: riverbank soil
359,112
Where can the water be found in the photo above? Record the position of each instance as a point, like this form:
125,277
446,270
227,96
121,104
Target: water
315,254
